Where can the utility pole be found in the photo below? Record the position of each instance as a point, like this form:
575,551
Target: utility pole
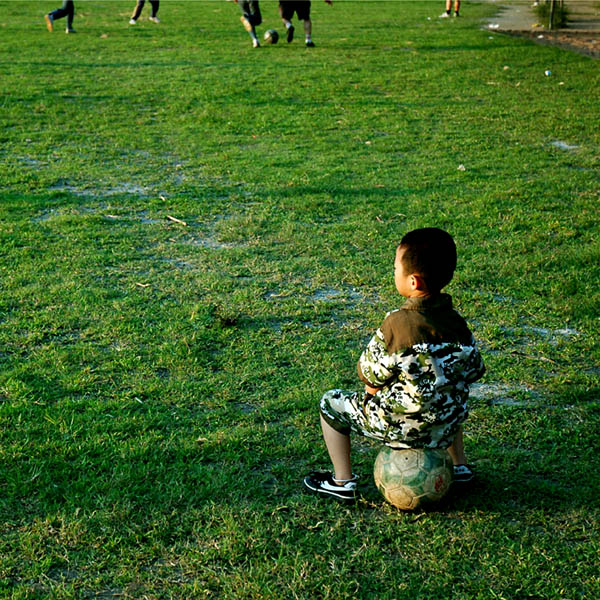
552,9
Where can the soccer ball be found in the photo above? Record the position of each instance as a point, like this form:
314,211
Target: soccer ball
271,36
408,477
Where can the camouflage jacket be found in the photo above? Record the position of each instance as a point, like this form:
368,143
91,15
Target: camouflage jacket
423,358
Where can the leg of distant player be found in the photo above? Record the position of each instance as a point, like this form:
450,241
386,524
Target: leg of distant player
308,33
457,449
286,17
303,12
137,11
66,10
251,18
71,13
449,8
338,446
155,5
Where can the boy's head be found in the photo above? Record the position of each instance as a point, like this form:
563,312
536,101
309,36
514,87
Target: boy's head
425,261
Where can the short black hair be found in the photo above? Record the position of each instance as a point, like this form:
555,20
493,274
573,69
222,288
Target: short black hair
431,253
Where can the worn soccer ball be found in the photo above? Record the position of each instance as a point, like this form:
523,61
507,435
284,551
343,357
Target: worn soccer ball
407,478
271,36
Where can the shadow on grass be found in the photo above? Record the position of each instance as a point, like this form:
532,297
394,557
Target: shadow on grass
156,459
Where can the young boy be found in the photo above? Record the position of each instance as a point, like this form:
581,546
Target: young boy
287,8
416,369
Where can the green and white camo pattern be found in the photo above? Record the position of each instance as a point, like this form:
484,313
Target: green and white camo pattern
423,397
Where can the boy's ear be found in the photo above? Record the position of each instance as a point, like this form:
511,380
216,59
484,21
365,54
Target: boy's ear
417,282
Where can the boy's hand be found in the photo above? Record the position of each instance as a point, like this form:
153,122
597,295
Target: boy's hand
371,390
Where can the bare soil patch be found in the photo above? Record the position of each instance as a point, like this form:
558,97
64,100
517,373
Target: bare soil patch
583,42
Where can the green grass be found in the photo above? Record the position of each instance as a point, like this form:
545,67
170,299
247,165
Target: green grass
159,382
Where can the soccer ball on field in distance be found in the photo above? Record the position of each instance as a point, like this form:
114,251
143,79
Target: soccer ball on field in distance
271,36
406,478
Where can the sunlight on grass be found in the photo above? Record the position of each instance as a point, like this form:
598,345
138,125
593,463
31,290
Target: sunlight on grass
197,241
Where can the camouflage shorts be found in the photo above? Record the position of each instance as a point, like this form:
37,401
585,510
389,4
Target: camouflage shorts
362,414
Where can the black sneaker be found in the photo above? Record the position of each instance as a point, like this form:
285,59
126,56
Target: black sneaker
319,482
310,44
463,474
290,33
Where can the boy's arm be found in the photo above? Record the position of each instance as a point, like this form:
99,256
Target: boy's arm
475,367
374,364
371,390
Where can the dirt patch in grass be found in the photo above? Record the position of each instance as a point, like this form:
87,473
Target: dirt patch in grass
587,43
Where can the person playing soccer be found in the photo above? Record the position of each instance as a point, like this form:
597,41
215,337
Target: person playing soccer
287,8
137,11
251,18
416,369
66,10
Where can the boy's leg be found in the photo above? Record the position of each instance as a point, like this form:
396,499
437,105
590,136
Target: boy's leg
66,10
70,8
341,412
457,449
286,13
250,18
137,11
290,30
155,5
342,484
463,473
303,11
308,33
338,447
456,7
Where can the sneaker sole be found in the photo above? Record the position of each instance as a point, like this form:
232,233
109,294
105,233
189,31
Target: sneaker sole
327,494
460,480
49,24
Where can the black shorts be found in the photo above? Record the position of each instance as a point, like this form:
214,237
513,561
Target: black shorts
251,10
287,8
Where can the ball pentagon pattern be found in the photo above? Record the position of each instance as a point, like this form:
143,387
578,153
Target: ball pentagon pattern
271,36
407,478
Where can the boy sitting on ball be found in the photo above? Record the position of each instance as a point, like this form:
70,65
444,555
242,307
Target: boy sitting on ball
416,369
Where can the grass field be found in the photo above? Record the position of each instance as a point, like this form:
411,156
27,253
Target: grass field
197,239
